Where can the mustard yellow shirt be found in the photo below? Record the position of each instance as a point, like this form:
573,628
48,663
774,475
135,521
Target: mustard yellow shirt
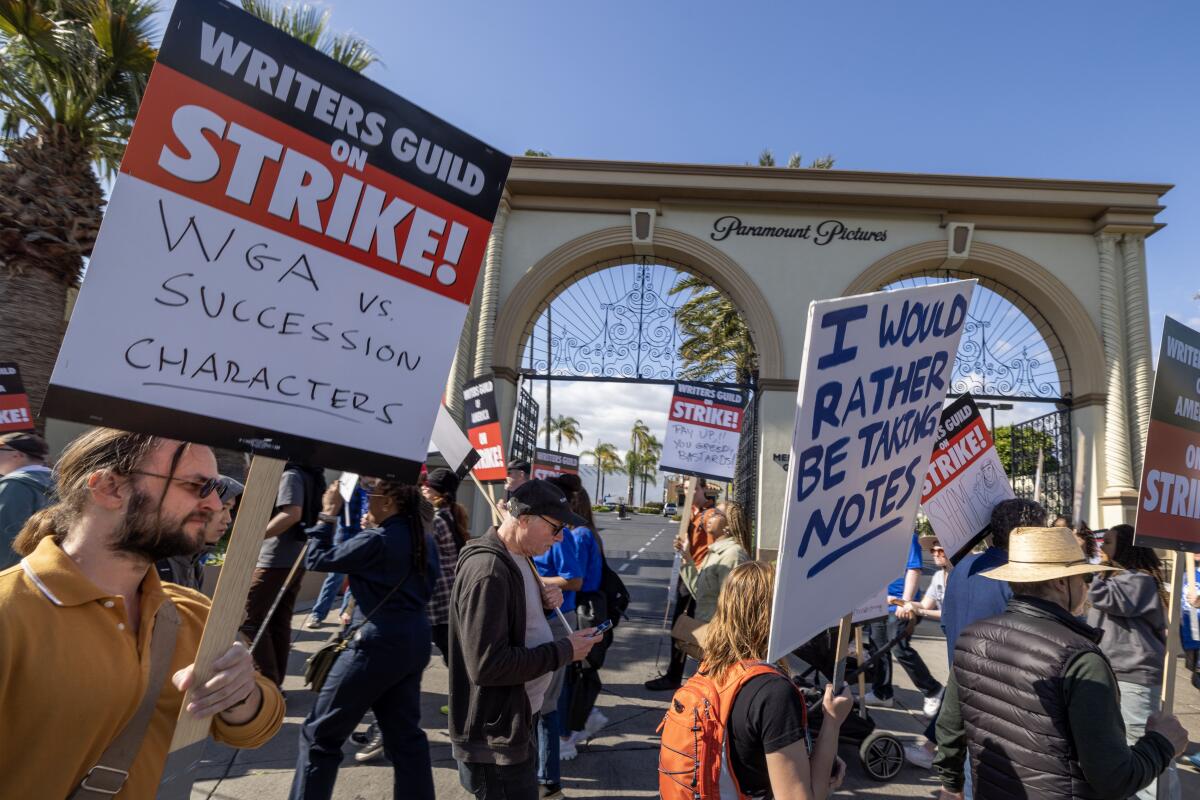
72,674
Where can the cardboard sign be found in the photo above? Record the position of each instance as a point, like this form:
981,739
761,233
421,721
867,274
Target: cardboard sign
483,429
965,480
15,413
286,259
874,375
873,608
1168,514
550,463
449,442
704,424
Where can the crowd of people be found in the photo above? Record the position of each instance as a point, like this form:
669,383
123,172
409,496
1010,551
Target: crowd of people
1055,643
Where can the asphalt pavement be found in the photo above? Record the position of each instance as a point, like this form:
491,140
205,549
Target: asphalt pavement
620,761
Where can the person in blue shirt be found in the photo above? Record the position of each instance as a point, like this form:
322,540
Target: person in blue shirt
392,570
969,595
882,631
559,567
1191,643
333,581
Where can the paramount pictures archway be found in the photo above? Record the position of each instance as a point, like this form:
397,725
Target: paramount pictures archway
1063,260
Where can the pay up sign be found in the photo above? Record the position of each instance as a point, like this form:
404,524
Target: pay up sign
15,414
874,376
286,260
1168,514
483,428
703,427
965,480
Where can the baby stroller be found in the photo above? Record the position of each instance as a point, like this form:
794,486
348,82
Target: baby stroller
879,752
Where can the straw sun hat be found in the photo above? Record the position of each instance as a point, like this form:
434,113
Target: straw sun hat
1043,554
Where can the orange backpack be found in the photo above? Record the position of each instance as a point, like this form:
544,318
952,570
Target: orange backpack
693,733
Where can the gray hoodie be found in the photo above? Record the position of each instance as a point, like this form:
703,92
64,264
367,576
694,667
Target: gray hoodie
1126,606
23,492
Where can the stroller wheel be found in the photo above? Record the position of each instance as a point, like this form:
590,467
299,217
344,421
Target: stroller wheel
882,756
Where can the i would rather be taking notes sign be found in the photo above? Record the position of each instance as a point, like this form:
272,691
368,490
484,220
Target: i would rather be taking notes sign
286,260
874,376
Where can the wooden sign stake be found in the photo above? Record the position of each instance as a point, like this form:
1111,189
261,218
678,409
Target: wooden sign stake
229,600
862,673
839,658
1167,695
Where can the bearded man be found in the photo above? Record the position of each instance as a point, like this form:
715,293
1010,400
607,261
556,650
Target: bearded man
88,633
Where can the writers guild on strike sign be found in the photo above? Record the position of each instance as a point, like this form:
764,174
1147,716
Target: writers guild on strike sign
704,424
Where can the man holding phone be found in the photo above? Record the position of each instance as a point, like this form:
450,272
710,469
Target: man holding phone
503,653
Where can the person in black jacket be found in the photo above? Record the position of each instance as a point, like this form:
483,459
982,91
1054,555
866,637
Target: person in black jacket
391,569
1032,697
502,652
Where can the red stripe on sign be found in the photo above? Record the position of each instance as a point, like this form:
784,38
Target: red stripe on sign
15,414
708,415
960,452
486,439
202,144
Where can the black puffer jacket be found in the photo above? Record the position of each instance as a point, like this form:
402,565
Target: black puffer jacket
1010,672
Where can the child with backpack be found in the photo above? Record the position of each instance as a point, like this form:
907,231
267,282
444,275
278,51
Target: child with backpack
739,710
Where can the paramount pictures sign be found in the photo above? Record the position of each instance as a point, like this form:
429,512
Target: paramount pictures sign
819,233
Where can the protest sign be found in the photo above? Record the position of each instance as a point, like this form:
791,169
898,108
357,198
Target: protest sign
704,424
873,378
549,463
524,427
1168,514
965,480
15,413
451,443
286,258
873,607
483,429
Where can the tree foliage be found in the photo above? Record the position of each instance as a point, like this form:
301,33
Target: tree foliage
564,428
310,24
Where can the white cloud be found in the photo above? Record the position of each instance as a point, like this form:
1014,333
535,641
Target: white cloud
606,411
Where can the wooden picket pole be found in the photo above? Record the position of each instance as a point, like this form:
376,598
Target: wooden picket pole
862,673
839,657
1167,695
229,600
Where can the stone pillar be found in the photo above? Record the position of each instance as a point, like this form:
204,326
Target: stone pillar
1118,475
489,299
777,418
1137,337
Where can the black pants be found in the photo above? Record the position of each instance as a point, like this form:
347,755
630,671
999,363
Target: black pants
500,781
684,604
879,633
379,674
441,637
271,655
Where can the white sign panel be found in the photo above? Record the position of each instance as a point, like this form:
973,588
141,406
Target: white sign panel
875,373
704,424
276,272
965,480
452,444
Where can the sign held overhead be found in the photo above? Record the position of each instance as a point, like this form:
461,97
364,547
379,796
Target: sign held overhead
704,425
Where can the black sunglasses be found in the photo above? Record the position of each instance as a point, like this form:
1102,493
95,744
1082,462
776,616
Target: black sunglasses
559,527
201,489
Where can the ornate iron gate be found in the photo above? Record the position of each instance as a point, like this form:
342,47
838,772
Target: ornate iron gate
1047,437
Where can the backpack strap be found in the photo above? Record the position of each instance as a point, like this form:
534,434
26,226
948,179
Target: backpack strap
108,776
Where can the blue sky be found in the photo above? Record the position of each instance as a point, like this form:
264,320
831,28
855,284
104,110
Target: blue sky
1097,90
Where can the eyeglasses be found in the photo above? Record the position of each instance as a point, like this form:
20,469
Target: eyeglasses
201,489
559,527
938,550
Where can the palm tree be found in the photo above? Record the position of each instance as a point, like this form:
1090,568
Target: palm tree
564,428
607,461
310,25
639,438
651,451
71,78
715,336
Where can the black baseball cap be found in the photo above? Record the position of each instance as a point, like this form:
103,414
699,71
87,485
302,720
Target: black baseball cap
520,466
30,444
543,498
228,488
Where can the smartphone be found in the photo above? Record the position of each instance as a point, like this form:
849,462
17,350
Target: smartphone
602,628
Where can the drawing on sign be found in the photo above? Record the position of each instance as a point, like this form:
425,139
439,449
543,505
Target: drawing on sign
873,379
704,424
965,479
483,429
1168,514
292,247
550,464
15,413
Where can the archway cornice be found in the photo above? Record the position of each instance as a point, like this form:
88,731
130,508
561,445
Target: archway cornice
1062,310
573,259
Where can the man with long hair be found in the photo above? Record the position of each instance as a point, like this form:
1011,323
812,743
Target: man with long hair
80,615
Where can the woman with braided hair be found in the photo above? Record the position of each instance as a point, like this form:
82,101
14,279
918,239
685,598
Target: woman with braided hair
392,569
